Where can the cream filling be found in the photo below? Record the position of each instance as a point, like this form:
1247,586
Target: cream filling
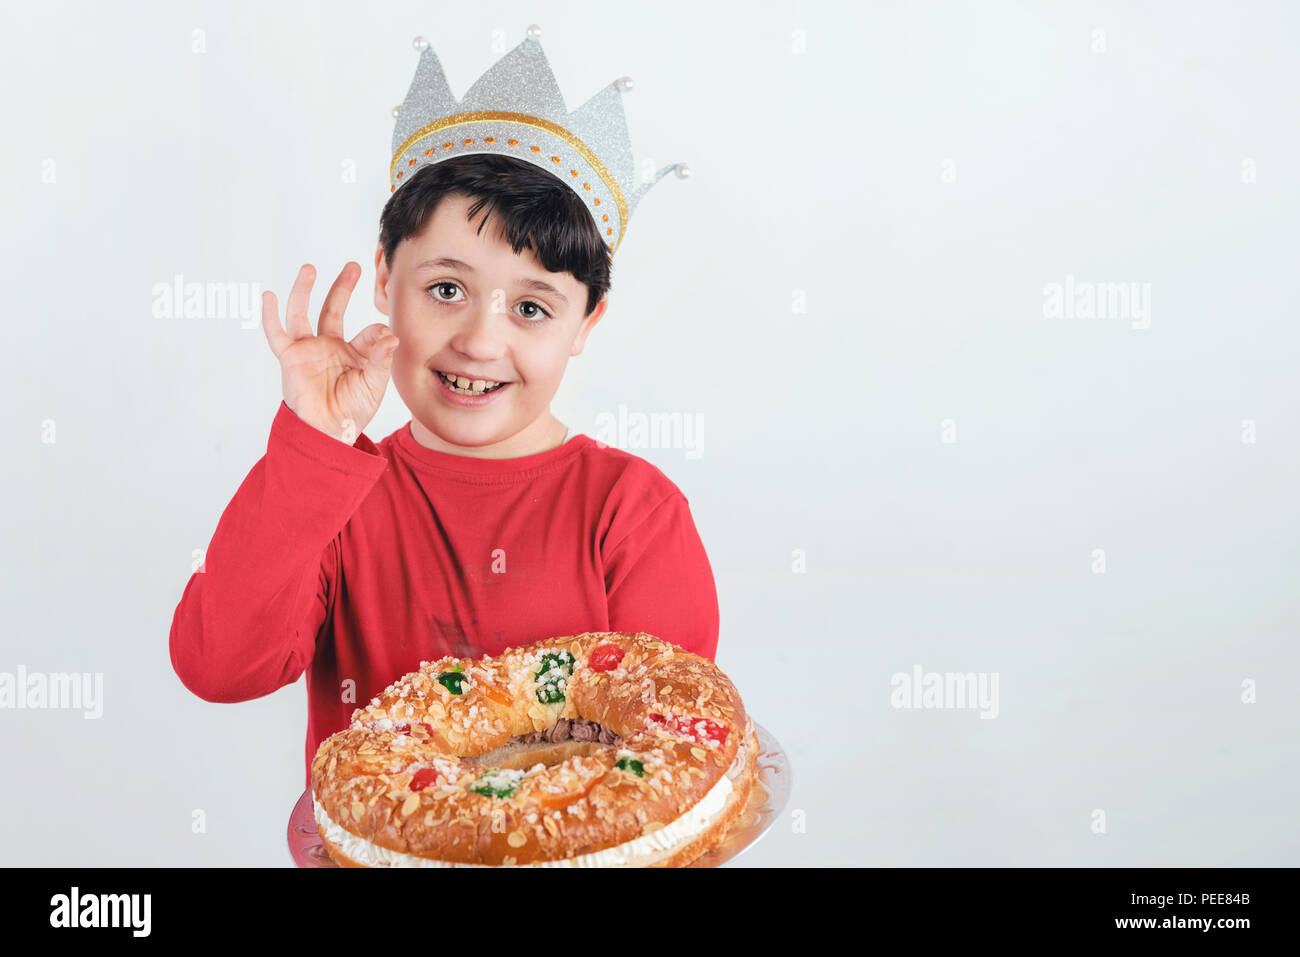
638,852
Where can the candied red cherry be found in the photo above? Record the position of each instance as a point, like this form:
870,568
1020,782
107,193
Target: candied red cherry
710,730
697,729
407,728
423,778
605,657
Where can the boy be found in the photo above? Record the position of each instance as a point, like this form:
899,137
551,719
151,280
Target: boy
479,525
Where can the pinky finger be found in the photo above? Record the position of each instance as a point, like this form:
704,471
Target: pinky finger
276,337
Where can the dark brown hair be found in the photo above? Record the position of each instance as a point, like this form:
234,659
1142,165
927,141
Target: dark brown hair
535,207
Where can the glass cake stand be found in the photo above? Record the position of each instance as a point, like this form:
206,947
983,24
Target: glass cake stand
767,799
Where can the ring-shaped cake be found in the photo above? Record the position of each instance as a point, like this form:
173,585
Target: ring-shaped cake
594,750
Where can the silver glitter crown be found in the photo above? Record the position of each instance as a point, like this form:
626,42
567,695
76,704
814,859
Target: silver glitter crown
516,109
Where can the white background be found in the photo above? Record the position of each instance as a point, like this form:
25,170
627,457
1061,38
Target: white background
823,141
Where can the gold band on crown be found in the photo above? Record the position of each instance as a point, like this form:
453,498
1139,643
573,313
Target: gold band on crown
523,119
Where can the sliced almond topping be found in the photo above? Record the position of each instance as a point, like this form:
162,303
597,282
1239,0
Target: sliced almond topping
698,752
410,804
509,860
516,839
428,819
551,826
358,810
651,827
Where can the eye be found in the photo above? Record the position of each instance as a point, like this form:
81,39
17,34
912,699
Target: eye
534,317
442,285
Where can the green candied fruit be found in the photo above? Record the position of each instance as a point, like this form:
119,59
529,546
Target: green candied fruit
452,680
631,764
553,673
497,783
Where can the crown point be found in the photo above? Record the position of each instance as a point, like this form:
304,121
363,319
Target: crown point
683,171
397,111
624,83
420,44
534,32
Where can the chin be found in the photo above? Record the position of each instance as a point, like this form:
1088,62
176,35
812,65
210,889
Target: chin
468,433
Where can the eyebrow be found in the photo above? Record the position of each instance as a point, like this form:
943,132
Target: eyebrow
446,262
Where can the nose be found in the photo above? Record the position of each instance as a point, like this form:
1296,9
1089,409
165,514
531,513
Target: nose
480,334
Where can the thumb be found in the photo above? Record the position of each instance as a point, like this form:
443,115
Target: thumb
379,363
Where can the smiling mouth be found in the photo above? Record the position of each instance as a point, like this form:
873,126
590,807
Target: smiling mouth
463,386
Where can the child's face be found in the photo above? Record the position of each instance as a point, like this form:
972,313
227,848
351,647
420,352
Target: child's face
481,320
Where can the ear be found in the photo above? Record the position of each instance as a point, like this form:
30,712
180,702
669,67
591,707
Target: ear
381,281
580,340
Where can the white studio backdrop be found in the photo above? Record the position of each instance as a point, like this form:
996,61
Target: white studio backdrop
988,312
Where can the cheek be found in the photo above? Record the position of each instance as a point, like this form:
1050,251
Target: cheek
411,324
542,366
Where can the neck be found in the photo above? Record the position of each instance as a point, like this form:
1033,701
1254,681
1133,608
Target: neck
546,433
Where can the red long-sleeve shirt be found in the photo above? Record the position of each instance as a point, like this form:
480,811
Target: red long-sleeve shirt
355,563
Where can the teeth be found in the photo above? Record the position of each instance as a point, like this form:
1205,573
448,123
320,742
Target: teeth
469,385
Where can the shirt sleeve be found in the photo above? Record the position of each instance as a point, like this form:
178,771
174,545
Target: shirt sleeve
658,580
248,620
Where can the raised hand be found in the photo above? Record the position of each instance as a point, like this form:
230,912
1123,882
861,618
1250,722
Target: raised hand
333,385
